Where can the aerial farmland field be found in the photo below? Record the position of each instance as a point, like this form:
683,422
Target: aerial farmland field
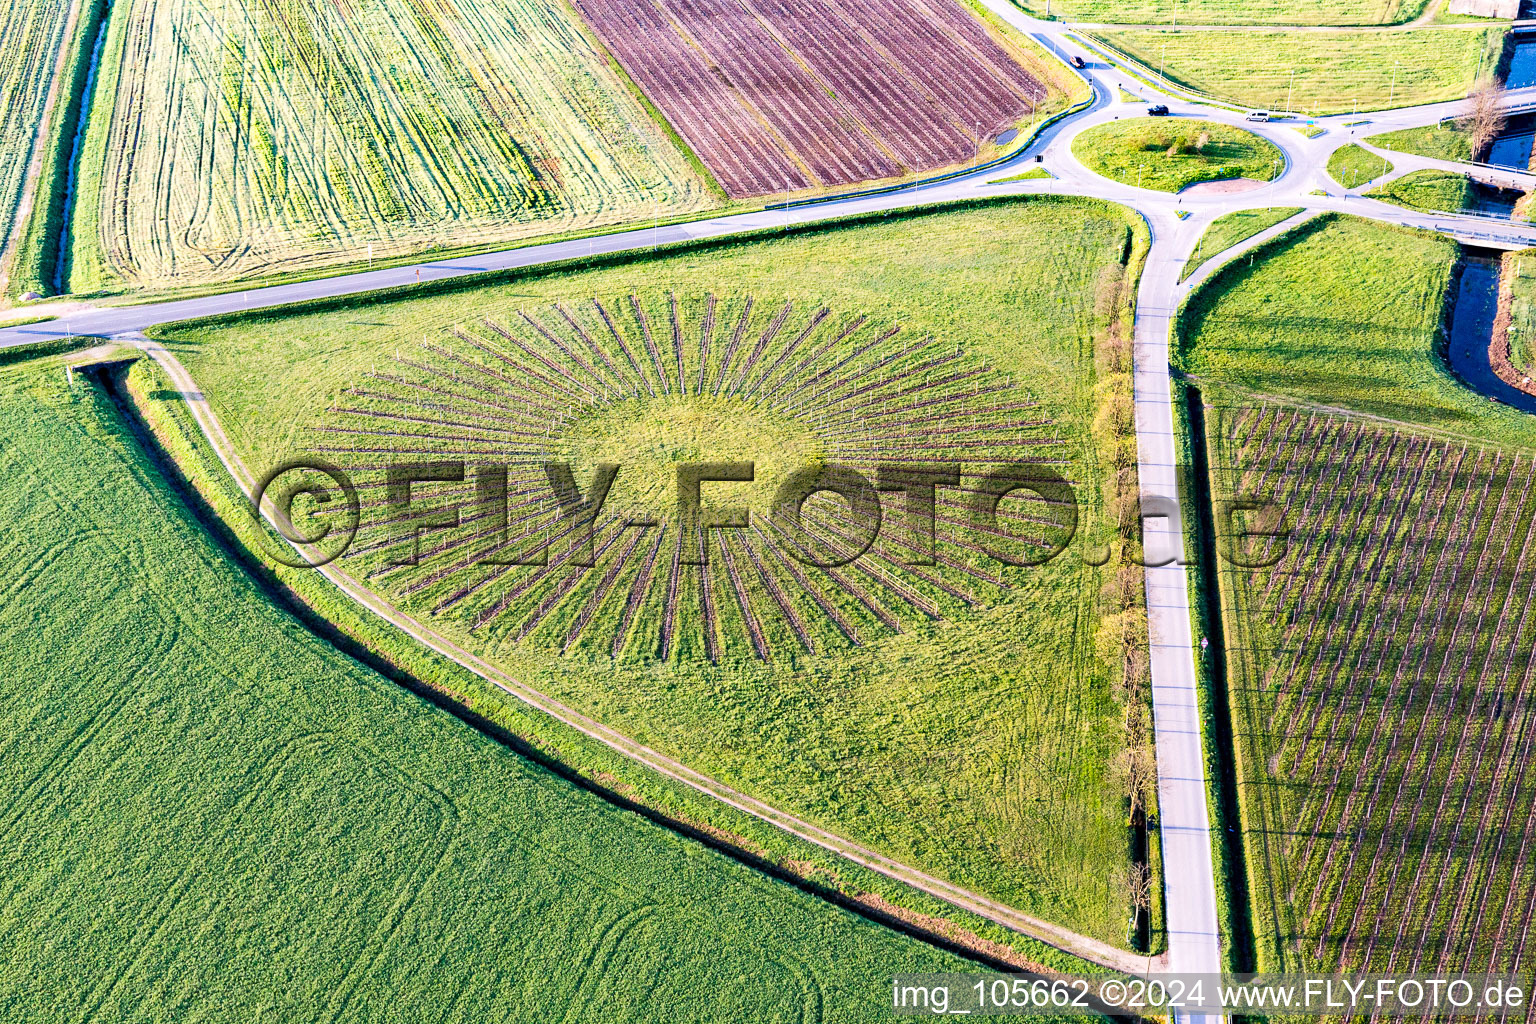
1382,693
690,510
30,36
779,97
1379,658
890,701
232,138
1317,72
281,833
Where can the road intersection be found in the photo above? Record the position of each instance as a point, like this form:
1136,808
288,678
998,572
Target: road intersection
1176,224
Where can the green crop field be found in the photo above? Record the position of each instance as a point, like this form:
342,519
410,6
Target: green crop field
1231,228
233,139
30,36
1379,656
1170,154
1352,166
954,715
1427,190
1452,141
212,815
1334,72
1231,12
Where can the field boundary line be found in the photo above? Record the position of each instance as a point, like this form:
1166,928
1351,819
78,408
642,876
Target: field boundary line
1089,949
1351,414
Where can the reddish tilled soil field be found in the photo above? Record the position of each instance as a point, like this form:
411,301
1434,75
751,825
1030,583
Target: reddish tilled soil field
782,95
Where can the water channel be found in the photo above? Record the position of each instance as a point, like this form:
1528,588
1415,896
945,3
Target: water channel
1471,330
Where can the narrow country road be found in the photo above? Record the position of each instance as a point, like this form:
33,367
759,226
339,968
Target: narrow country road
1176,223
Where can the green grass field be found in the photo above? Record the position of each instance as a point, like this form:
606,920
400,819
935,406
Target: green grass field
30,36
1427,190
1335,72
214,816
938,737
1379,671
234,139
1352,166
1171,154
1232,12
1442,141
1231,228
1341,311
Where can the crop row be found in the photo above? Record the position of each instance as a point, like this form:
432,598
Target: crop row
1382,690
30,37
238,138
777,97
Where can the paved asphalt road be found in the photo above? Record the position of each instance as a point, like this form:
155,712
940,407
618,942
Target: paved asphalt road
1186,840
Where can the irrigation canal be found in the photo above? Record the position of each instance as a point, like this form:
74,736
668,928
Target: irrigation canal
1471,330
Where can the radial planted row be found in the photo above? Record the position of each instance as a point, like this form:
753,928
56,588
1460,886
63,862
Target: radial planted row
503,396
779,96
1382,689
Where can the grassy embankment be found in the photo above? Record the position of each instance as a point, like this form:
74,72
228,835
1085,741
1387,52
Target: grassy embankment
910,760
1427,190
1233,12
1369,666
169,728
1352,166
1238,331
1443,141
1335,72
1170,154
1518,281
1231,228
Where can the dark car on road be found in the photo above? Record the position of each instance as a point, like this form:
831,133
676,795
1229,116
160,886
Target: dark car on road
1158,110
1078,62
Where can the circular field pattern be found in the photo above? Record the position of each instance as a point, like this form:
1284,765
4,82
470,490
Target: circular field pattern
647,386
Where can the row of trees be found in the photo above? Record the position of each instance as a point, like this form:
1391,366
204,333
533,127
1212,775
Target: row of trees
1121,637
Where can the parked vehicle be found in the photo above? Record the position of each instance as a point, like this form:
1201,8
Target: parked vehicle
1259,115
1078,62
1158,110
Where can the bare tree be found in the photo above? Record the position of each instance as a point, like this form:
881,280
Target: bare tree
1485,118
1138,770
1138,879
